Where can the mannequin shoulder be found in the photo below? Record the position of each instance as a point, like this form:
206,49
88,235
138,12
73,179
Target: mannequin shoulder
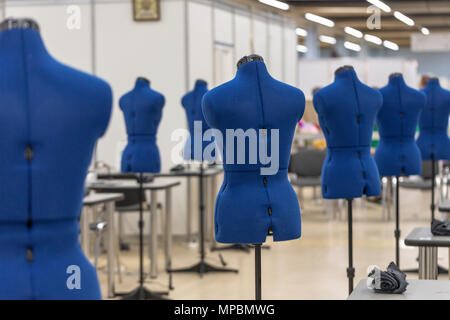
83,84
156,96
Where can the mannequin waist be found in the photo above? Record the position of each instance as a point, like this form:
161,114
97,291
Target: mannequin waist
433,131
401,140
56,236
142,138
348,150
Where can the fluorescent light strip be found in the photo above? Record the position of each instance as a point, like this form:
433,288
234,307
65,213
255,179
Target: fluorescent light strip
275,3
353,32
425,31
400,16
390,45
383,6
301,32
373,39
301,48
327,39
352,46
318,19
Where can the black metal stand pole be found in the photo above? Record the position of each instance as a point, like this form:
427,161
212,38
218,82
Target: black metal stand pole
202,267
397,222
350,269
433,178
141,293
258,292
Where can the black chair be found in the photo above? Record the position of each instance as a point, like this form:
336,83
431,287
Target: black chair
305,168
424,181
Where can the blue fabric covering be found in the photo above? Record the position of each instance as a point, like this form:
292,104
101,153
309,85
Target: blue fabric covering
397,153
192,104
347,110
50,119
249,203
433,123
142,109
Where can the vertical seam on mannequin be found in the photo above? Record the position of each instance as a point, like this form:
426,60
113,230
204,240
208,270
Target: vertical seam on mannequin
29,176
266,189
359,131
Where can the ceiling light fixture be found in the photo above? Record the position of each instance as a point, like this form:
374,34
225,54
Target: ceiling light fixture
301,32
383,6
425,31
353,32
373,39
318,19
327,39
390,45
275,3
352,46
400,16
301,48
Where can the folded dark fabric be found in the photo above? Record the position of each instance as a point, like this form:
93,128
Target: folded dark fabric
440,228
390,281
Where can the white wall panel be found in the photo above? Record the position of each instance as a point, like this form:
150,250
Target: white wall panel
70,46
200,42
260,37
275,56
243,35
223,30
128,49
290,55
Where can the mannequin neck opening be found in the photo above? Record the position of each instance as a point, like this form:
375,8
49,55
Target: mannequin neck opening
249,58
22,23
343,69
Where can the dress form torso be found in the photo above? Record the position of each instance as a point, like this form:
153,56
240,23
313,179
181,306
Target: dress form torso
398,154
347,110
433,123
250,204
142,109
50,119
192,104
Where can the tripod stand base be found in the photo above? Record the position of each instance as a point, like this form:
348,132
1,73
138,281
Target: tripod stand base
141,293
201,268
238,247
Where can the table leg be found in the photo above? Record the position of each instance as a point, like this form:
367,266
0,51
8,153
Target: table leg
110,215
85,230
153,234
168,231
189,210
428,269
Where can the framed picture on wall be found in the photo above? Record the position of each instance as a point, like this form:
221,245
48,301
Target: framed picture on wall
146,10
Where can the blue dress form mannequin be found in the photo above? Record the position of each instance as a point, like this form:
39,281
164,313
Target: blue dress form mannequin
142,109
398,154
50,119
347,110
251,205
433,140
192,104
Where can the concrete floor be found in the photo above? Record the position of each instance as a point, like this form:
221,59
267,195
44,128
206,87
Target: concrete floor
313,267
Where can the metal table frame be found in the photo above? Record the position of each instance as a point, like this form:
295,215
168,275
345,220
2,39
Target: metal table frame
90,202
